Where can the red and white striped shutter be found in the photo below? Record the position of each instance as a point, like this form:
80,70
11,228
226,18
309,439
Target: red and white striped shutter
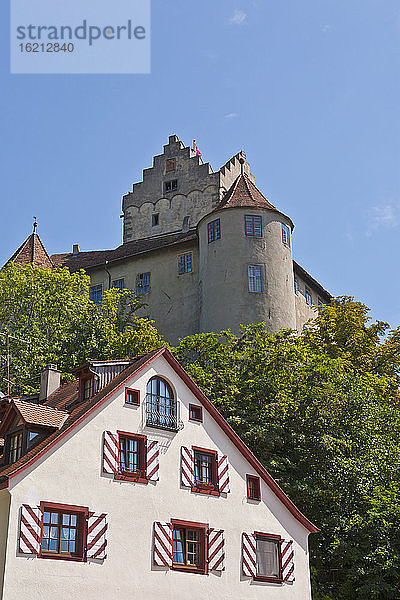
287,555
97,536
223,474
162,554
249,555
29,530
152,460
216,550
110,452
187,466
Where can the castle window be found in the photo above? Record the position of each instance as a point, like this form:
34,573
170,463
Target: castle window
214,231
171,186
143,283
255,274
95,293
253,487
308,297
185,262
170,165
119,284
296,286
285,235
253,225
155,219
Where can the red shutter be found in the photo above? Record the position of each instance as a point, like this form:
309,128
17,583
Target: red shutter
287,555
216,550
152,460
223,474
187,466
110,452
249,557
97,536
162,554
29,529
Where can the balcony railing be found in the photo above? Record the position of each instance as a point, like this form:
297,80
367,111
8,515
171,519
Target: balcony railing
163,418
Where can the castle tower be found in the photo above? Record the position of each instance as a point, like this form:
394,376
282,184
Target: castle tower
246,265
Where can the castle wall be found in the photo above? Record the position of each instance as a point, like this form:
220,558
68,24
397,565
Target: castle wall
225,299
173,299
196,194
304,311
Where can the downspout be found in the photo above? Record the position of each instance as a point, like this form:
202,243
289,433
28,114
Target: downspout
108,273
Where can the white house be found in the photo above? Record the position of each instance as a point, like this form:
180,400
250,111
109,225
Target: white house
128,483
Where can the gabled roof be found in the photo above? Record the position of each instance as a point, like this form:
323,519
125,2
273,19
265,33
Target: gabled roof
32,414
83,410
32,252
97,258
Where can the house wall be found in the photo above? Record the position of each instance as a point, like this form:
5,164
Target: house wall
72,474
4,518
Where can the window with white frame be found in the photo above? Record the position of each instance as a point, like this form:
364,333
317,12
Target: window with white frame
285,235
308,297
256,279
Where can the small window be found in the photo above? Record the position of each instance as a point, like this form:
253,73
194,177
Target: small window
185,263
119,284
143,283
285,235
132,396
95,293
255,275
320,302
253,225
171,186
205,469
189,548
62,533
308,297
268,558
155,219
16,441
296,286
195,413
132,455
87,388
214,231
170,165
253,487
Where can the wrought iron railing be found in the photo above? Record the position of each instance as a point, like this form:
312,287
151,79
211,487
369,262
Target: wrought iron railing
165,418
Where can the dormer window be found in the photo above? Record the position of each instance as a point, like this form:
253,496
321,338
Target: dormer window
87,388
16,445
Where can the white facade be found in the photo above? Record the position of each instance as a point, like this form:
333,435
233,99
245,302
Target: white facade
71,473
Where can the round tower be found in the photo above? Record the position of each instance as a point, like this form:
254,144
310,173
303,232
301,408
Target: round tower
245,262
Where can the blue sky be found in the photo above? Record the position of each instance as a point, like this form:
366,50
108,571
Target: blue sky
310,90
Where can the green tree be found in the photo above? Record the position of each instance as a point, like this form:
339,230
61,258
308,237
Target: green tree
51,310
320,410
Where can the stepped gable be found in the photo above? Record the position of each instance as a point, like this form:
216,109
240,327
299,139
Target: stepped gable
244,194
32,252
85,260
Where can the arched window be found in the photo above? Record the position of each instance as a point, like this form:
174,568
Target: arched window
161,407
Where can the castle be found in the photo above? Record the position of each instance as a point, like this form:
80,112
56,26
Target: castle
205,250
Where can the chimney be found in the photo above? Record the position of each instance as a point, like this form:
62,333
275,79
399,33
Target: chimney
49,382
75,249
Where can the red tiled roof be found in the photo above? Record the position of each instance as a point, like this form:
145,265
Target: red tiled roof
97,258
243,193
32,251
37,414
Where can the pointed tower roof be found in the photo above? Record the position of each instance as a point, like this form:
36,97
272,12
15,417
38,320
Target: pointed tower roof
243,193
32,252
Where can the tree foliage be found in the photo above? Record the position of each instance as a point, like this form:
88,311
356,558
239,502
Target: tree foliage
55,322
320,410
